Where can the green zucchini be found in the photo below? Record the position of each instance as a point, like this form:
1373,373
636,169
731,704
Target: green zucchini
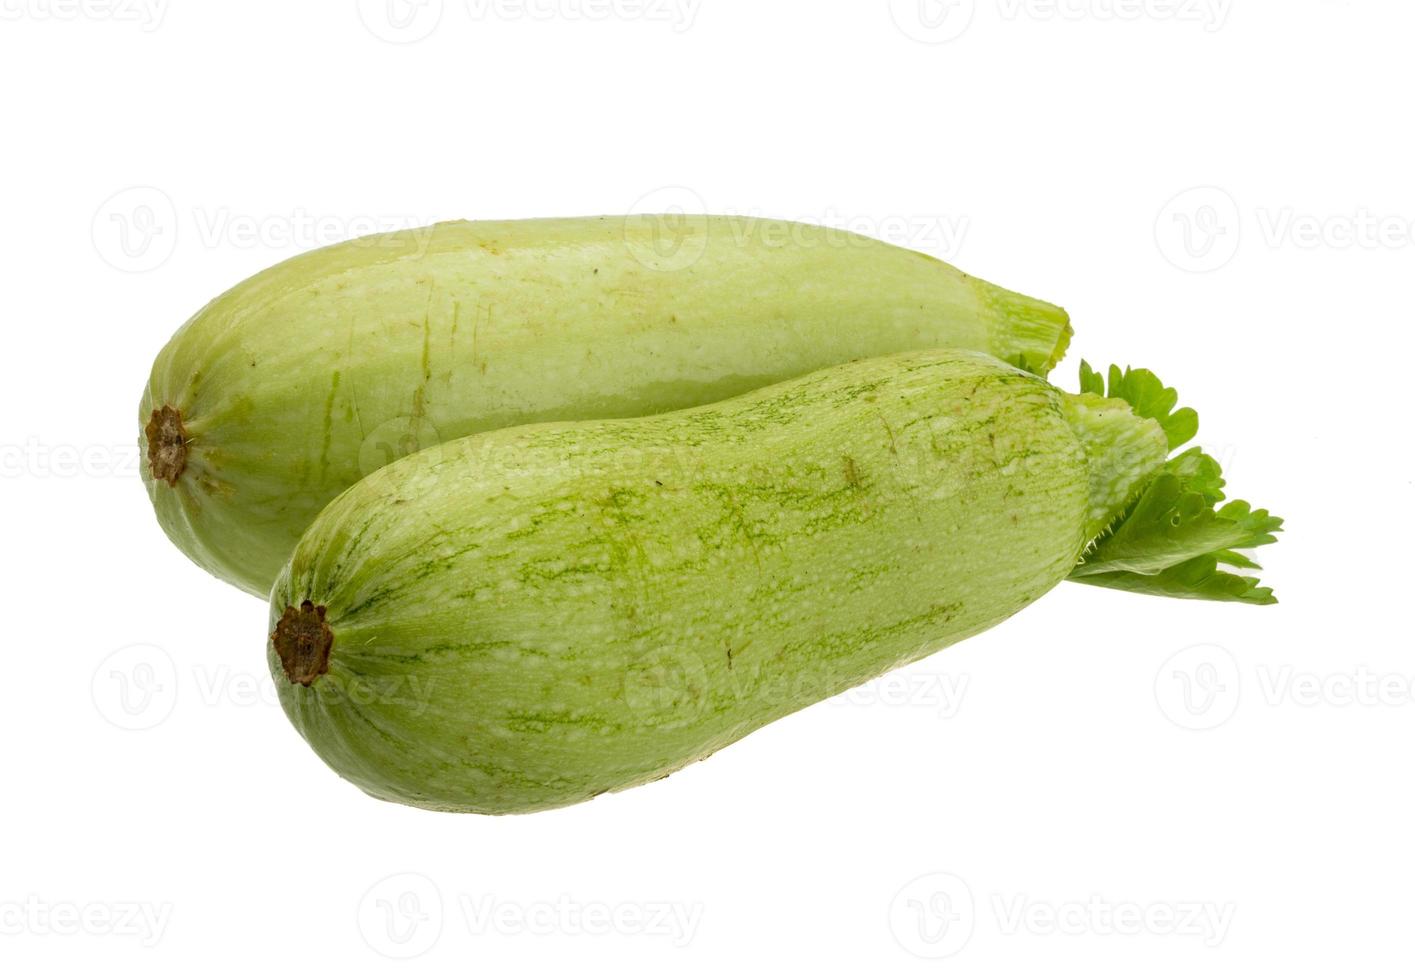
526,618
293,385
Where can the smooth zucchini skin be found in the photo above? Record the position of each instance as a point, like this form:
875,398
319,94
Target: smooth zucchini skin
529,617
296,383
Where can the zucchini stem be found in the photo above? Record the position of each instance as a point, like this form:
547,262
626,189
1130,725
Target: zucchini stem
166,445
303,640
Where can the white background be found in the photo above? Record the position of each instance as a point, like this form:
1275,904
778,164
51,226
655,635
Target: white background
1041,798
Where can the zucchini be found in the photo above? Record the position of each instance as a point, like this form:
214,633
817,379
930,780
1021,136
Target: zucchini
526,618
293,385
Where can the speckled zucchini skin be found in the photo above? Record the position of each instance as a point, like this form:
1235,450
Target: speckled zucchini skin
296,383
529,617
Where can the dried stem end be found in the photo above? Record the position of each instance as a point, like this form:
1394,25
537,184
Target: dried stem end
303,640
166,445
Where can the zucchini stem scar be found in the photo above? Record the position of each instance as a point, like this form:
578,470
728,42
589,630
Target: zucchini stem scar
303,640
166,445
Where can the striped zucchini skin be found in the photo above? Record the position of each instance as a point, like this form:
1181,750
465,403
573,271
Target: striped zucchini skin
526,618
296,383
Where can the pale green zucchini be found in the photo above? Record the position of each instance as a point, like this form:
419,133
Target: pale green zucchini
529,617
293,385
